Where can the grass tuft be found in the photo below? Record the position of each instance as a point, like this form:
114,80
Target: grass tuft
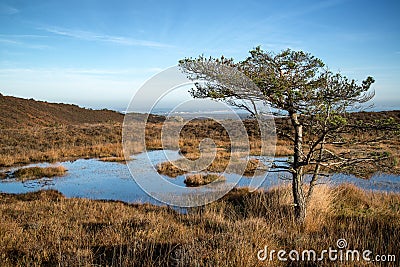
114,159
202,179
32,173
170,169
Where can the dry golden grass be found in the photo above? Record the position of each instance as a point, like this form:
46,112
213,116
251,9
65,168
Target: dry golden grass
170,169
202,179
49,144
114,159
32,173
283,148
44,228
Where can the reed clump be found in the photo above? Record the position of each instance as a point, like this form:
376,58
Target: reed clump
32,173
199,179
114,159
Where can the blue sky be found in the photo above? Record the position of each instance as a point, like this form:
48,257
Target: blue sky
98,53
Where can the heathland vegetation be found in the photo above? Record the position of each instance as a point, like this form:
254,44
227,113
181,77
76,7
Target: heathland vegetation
36,131
49,132
45,228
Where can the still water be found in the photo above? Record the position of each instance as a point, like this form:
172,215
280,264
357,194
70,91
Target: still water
95,179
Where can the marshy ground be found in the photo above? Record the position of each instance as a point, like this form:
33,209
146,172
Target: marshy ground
45,228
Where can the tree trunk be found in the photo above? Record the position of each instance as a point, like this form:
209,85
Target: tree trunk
297,180
300,207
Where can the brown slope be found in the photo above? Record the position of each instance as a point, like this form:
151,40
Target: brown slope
18,113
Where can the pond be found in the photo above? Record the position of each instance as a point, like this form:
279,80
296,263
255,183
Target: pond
95,179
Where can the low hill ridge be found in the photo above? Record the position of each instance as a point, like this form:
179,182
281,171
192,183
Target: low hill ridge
19,112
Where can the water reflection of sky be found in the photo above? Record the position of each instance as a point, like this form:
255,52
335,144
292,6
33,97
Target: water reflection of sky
110,180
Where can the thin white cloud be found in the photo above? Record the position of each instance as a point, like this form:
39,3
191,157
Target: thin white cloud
300,9
91,36
9,41
117,73
114,71
23,36
307,9
349,36
16,41
8,10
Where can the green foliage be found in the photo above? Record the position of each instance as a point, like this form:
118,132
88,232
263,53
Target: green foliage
337,120
395,161
291,81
